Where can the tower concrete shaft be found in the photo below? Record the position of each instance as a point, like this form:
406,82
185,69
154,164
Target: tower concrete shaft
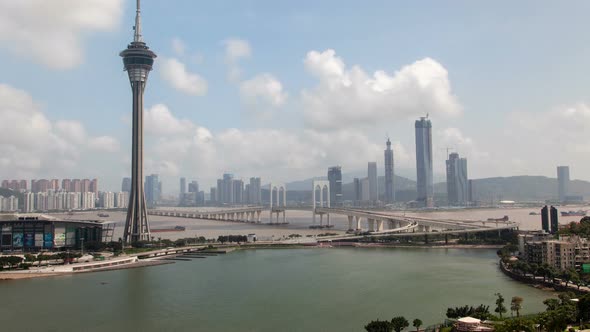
138,61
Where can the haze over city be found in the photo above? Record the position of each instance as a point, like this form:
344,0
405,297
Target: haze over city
285,90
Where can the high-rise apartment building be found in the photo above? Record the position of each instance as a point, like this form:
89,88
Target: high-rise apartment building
85,186
373,184
126,184
122,199
193,187
335,180
238,191
563,181
94,187
389,174
182,186
365,190
554,219
358,194
424,175
76,186
152,190
545,219
457,183
66,184
255,191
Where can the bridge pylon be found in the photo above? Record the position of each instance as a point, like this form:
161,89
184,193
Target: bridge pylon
324,188
278,191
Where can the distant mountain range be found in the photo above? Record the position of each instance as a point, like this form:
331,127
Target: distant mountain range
517,188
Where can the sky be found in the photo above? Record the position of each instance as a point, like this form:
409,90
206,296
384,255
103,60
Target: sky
285,89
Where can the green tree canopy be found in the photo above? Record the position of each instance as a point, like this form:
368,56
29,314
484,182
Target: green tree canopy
379,326
417,323
500,307
399,323
516,305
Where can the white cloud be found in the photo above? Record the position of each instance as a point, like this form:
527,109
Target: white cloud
235,50
104,143
178,46
52,32
539,141
350,97
179,146
31,145
71,130
262,91
159,121
174,72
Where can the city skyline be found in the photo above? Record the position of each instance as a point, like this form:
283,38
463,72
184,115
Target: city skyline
198,73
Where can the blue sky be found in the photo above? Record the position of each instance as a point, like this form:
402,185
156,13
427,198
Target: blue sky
290,87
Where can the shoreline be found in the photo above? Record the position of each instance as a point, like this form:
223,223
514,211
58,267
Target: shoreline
32,273
540,284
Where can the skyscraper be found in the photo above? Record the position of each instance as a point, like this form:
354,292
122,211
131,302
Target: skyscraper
255,191
152,190
545,219
182,186
563,180
335,179
424,185
373,184
554,219
126,185
358,193
138,61
389,189
457,185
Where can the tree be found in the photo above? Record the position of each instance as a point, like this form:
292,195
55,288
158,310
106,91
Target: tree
534,269
516,305
517,324
399,323
584,307
552,304
379,326
500,307
417,323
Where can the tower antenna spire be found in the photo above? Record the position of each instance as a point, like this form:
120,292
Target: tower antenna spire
137,35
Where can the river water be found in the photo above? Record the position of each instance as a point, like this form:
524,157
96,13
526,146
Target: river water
338,289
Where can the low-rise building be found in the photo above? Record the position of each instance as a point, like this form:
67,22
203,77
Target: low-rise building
562,253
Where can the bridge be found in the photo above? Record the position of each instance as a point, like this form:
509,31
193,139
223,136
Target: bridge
378,223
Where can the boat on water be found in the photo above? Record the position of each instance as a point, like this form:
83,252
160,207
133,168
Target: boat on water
533,213
103,215
579,213
505,218
169,229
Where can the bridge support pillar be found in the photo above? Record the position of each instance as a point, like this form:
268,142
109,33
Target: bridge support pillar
358,223
420,228
284,217
379,225
350,222
371,225
391,224
446,238
427,229
426,238
321,219
258,216
328,219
